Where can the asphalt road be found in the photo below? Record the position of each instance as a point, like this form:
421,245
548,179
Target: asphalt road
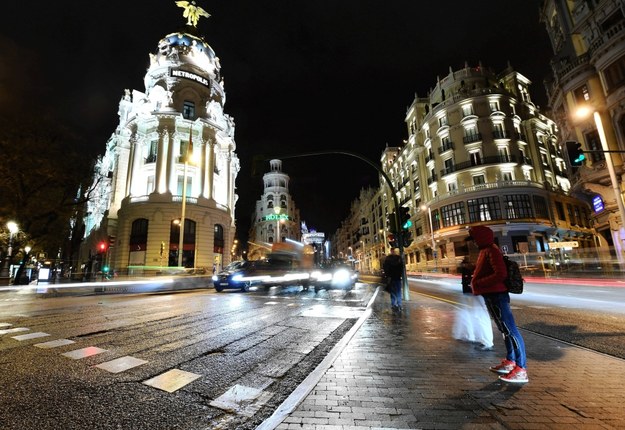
584,315
236,356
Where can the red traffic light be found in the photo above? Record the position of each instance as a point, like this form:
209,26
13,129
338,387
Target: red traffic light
102,246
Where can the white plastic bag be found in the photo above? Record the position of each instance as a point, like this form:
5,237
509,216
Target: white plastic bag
472,322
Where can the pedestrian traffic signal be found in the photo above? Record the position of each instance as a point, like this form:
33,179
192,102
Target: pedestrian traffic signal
575,153
392,241
406,238
392,222
404,218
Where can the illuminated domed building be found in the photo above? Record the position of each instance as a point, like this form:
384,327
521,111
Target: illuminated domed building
276,217
174,139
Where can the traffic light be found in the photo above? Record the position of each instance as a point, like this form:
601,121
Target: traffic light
575,153
102,247
406,238
404,218
162,248
392,241
392,223
111,241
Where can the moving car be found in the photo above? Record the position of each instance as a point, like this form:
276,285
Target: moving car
334,275
234,276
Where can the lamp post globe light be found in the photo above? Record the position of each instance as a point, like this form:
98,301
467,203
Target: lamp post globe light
13,229
619,242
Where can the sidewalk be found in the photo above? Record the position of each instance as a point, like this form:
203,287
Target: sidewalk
406,372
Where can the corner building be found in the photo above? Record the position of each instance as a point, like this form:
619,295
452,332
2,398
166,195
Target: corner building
276,217
588,66
174,136
480,153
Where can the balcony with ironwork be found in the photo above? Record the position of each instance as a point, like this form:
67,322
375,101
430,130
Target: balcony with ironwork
471,138
520,136
497,159
150,159
501,134
431,179
445,147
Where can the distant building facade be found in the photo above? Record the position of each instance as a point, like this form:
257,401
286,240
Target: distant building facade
276,217
588,41
478,153
173,137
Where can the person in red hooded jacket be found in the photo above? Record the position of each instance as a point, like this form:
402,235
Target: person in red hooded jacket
488,281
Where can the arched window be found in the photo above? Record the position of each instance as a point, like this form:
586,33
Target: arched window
218,241
188,243
138,234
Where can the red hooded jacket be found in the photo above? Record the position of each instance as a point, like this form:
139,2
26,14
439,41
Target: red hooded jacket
490,269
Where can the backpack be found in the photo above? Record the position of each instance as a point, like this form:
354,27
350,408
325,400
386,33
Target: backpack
514,280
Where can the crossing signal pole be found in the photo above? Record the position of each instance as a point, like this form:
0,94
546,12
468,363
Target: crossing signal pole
575,153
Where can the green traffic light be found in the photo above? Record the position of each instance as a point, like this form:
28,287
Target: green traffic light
105,269
407,224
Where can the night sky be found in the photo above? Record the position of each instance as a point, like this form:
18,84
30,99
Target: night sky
299,76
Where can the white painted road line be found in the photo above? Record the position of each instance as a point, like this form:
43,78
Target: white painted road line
13,330
120,364
77,354
172,380
28,336
54,343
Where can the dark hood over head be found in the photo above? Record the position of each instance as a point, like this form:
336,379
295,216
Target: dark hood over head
483,236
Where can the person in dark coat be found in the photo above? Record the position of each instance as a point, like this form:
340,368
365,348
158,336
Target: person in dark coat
488,281
394,271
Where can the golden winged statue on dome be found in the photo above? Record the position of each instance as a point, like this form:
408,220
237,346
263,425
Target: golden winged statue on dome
192,12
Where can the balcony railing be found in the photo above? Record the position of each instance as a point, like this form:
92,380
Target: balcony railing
501,134
520,136
150,159
432,179
445,147
470,138
497,159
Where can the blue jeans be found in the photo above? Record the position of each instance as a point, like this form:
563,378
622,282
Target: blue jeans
498,305
396,292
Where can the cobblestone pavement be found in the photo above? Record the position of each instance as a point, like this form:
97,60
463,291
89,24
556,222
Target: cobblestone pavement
405,371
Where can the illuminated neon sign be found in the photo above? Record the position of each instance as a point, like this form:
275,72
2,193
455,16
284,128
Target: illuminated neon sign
275,217
597,204
188,75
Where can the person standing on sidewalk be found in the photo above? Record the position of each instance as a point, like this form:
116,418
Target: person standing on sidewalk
488,276
394,271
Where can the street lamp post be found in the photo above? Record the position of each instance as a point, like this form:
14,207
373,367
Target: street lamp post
364,266
620,242
13,228
423,207
277,211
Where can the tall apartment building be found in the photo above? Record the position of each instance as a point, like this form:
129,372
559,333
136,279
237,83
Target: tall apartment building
165,187
480,153
588,41
276,217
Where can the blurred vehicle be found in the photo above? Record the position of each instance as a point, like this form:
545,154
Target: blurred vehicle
235,275
334,275
280,269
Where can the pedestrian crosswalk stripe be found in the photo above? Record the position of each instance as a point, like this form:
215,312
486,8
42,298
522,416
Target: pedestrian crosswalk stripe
54,343
77,354
13,330
121,364
172,380
5,325
28,336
